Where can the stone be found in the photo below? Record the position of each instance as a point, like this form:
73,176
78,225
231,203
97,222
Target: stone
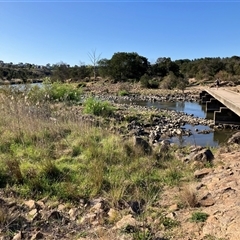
202,172
235,138
38,235
127,220
30,204
18,236
143,144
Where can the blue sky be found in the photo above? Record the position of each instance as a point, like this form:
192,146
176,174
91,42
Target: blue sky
42,32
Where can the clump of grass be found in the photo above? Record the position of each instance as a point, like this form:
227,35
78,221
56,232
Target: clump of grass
199,217
169,223
97,107
13,167
188,197
172,176
123,93
3,216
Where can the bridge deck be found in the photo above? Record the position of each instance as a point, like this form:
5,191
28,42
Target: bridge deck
227,97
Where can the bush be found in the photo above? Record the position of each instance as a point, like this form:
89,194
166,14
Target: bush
97,107
147,82
55,92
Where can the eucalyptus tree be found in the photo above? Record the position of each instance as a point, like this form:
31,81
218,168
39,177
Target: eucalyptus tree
125,66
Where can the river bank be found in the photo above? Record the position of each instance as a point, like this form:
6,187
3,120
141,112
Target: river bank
71,175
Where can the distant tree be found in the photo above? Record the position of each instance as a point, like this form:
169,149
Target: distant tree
61,72
182,83
123,66
169,81
94,58
164,66
147,82
103,66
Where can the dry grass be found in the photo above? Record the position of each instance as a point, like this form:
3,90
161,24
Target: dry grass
188,196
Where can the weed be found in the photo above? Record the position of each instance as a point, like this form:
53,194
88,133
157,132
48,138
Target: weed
169,223
199,217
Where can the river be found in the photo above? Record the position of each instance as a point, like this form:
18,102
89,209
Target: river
212,139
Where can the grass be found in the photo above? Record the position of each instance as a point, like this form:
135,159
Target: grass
74,158
97,107
199,217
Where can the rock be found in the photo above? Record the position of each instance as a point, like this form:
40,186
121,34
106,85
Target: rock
88,218
206,200
18,236
202,172
113,214
143,144
234,139
55,215
38,235
204,155
126,221
30,204
32,214
73,213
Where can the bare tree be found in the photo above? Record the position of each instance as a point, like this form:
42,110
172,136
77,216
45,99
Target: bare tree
94,58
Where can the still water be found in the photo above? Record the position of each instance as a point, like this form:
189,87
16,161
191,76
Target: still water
212,139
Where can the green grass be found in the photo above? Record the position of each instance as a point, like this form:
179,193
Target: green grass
199,217
97,107
71,158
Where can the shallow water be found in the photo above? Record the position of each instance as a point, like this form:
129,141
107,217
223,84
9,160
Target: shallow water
213,139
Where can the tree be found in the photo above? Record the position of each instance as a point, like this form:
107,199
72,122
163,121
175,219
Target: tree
103,66
94,58
182,84
164,66
125,66
61,72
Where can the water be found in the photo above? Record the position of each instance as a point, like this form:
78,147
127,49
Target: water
212,139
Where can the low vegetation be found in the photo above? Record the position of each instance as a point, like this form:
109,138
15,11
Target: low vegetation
55,145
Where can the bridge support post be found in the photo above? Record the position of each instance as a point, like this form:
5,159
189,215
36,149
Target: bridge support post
225,115
204,97
213,105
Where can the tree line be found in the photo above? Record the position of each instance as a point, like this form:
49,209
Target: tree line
125,66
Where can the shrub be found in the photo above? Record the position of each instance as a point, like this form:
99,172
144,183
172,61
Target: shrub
147,82
55,92
97,107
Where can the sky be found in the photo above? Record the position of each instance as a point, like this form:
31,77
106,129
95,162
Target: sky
49,32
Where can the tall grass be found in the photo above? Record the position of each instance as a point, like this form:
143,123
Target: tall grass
70,158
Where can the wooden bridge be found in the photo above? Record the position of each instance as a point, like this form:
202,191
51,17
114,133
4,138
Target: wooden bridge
224,103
